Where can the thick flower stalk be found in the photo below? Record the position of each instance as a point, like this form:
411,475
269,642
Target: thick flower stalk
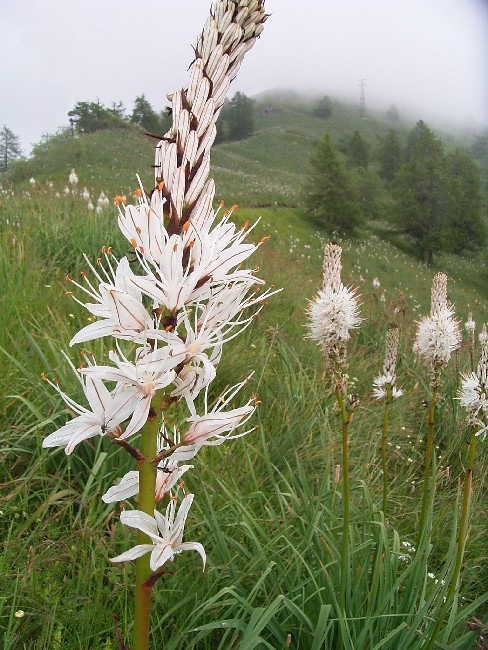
332,314
385,389
169,312
438,336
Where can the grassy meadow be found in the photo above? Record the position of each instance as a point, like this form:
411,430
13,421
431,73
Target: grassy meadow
267,508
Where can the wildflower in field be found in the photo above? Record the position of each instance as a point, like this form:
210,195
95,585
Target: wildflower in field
85,194
438,335
470,326
168,474
107,411
165,532
473,394
151,371
483,335
73,179
103,200
334,311
170,311
376,283
386,381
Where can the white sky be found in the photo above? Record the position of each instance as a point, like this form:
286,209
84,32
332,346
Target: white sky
429,55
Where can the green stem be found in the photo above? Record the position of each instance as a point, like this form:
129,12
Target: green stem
383,448
461,541
146,503
346,421
428,457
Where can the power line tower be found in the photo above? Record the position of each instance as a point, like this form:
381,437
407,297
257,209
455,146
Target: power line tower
362,100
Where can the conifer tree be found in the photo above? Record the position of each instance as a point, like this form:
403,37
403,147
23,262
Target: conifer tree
389,155
9,147
467,226
357,151
420,193
324,108
240,117
146,117
330,195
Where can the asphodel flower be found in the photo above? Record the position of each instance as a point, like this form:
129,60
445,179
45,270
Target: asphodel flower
473,394
438,335
334,312
165,532
388,378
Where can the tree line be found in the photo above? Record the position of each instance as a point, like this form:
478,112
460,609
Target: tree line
236,121
429,194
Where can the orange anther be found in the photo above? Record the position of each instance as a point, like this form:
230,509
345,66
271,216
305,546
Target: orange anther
175,248
43,376
138,230
221,204
99,261
83,274
186,225
138,192
264,240
69,293
119,199
109,250
234,207
133,242
141,249
104,249
68,279
160,186
246,225
191,244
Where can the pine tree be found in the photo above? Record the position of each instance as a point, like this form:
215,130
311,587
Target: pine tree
240,117
421,196
468,229
389,155
9,147
146,117
392,114
357,152
324,108
330,195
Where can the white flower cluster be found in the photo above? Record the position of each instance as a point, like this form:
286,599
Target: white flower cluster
334,311
386,382
473,394
438,335
191,295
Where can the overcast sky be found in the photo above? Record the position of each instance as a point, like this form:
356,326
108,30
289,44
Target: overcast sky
430,55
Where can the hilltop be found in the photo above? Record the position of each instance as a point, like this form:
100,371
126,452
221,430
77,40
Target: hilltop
265,169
